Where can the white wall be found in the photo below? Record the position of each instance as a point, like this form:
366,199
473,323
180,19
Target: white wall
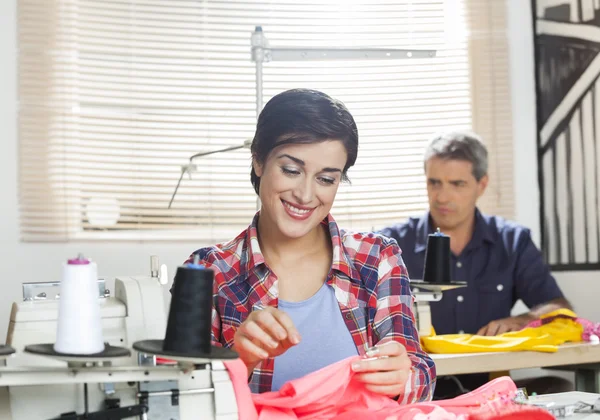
581,288
42,262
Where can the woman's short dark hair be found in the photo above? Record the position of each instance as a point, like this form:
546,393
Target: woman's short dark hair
302,116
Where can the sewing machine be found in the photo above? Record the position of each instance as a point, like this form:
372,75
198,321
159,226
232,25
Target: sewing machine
436,280
423,310
425,293
34,387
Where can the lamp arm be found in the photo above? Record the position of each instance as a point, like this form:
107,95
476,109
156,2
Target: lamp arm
186,168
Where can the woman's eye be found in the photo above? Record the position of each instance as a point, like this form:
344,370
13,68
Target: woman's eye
289,171
329,181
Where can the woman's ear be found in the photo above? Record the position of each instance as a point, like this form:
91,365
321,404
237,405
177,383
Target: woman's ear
258,168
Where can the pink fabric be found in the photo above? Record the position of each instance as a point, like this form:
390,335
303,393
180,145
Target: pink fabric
332,393
239,377
589,329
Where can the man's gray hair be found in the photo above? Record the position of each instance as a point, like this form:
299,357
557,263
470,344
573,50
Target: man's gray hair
460,145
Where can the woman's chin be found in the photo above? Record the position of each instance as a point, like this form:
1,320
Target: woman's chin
297,233
294,229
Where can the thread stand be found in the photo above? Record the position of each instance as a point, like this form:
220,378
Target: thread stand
110,353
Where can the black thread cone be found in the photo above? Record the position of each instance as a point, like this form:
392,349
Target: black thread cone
189,324
437,259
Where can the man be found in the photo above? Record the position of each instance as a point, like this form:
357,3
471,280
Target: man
497,258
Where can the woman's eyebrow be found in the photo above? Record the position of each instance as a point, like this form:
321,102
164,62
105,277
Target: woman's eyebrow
302,163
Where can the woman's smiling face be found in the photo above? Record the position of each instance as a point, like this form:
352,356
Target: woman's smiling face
298,184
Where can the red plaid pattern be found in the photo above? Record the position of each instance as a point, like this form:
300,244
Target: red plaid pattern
370,283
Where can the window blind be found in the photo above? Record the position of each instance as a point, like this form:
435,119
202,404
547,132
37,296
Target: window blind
116,95
491,100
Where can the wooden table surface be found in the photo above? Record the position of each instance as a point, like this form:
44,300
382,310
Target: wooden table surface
568,354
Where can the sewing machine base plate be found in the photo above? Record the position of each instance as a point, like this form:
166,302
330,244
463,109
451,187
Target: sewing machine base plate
155,347
110,352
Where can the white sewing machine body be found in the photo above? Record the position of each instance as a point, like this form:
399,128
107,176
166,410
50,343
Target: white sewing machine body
423,311
425,293
39,387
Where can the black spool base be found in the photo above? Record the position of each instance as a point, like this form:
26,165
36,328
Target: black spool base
155,347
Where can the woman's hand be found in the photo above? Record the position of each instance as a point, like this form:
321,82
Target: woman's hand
386,370
265,333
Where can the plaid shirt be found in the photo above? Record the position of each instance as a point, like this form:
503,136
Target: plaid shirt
370,283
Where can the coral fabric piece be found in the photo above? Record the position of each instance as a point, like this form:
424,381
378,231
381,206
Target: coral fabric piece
511,412
239,377
332,393
322,394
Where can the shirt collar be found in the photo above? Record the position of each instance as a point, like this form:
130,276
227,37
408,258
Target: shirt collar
253,254
341,261
262,282
481,232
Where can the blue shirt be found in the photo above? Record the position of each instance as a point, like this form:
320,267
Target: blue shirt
325,337
500,264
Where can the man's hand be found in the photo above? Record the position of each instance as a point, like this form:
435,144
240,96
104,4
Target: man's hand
500,326
386,370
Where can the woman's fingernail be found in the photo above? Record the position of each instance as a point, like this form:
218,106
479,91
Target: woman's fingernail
372,352
273,344
264,354
355,367
295,338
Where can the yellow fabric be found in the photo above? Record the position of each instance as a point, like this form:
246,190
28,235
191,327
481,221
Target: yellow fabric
545,338
561,311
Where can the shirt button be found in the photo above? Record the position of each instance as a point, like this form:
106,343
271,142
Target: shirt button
459,264
460,298
348,315
500,287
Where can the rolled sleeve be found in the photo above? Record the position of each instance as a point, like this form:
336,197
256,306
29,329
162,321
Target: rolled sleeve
394,320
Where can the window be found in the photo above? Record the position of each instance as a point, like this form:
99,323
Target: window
116,95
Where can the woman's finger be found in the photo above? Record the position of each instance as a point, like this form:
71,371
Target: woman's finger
382,363
244,344
391,348
267,321
284,320
252,330
394,377
387,390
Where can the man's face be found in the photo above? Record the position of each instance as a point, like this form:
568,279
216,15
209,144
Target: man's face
453,192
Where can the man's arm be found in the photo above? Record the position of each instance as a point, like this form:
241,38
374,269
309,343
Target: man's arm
534,285
516,323
558,303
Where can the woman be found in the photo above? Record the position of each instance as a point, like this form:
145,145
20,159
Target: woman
294,293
